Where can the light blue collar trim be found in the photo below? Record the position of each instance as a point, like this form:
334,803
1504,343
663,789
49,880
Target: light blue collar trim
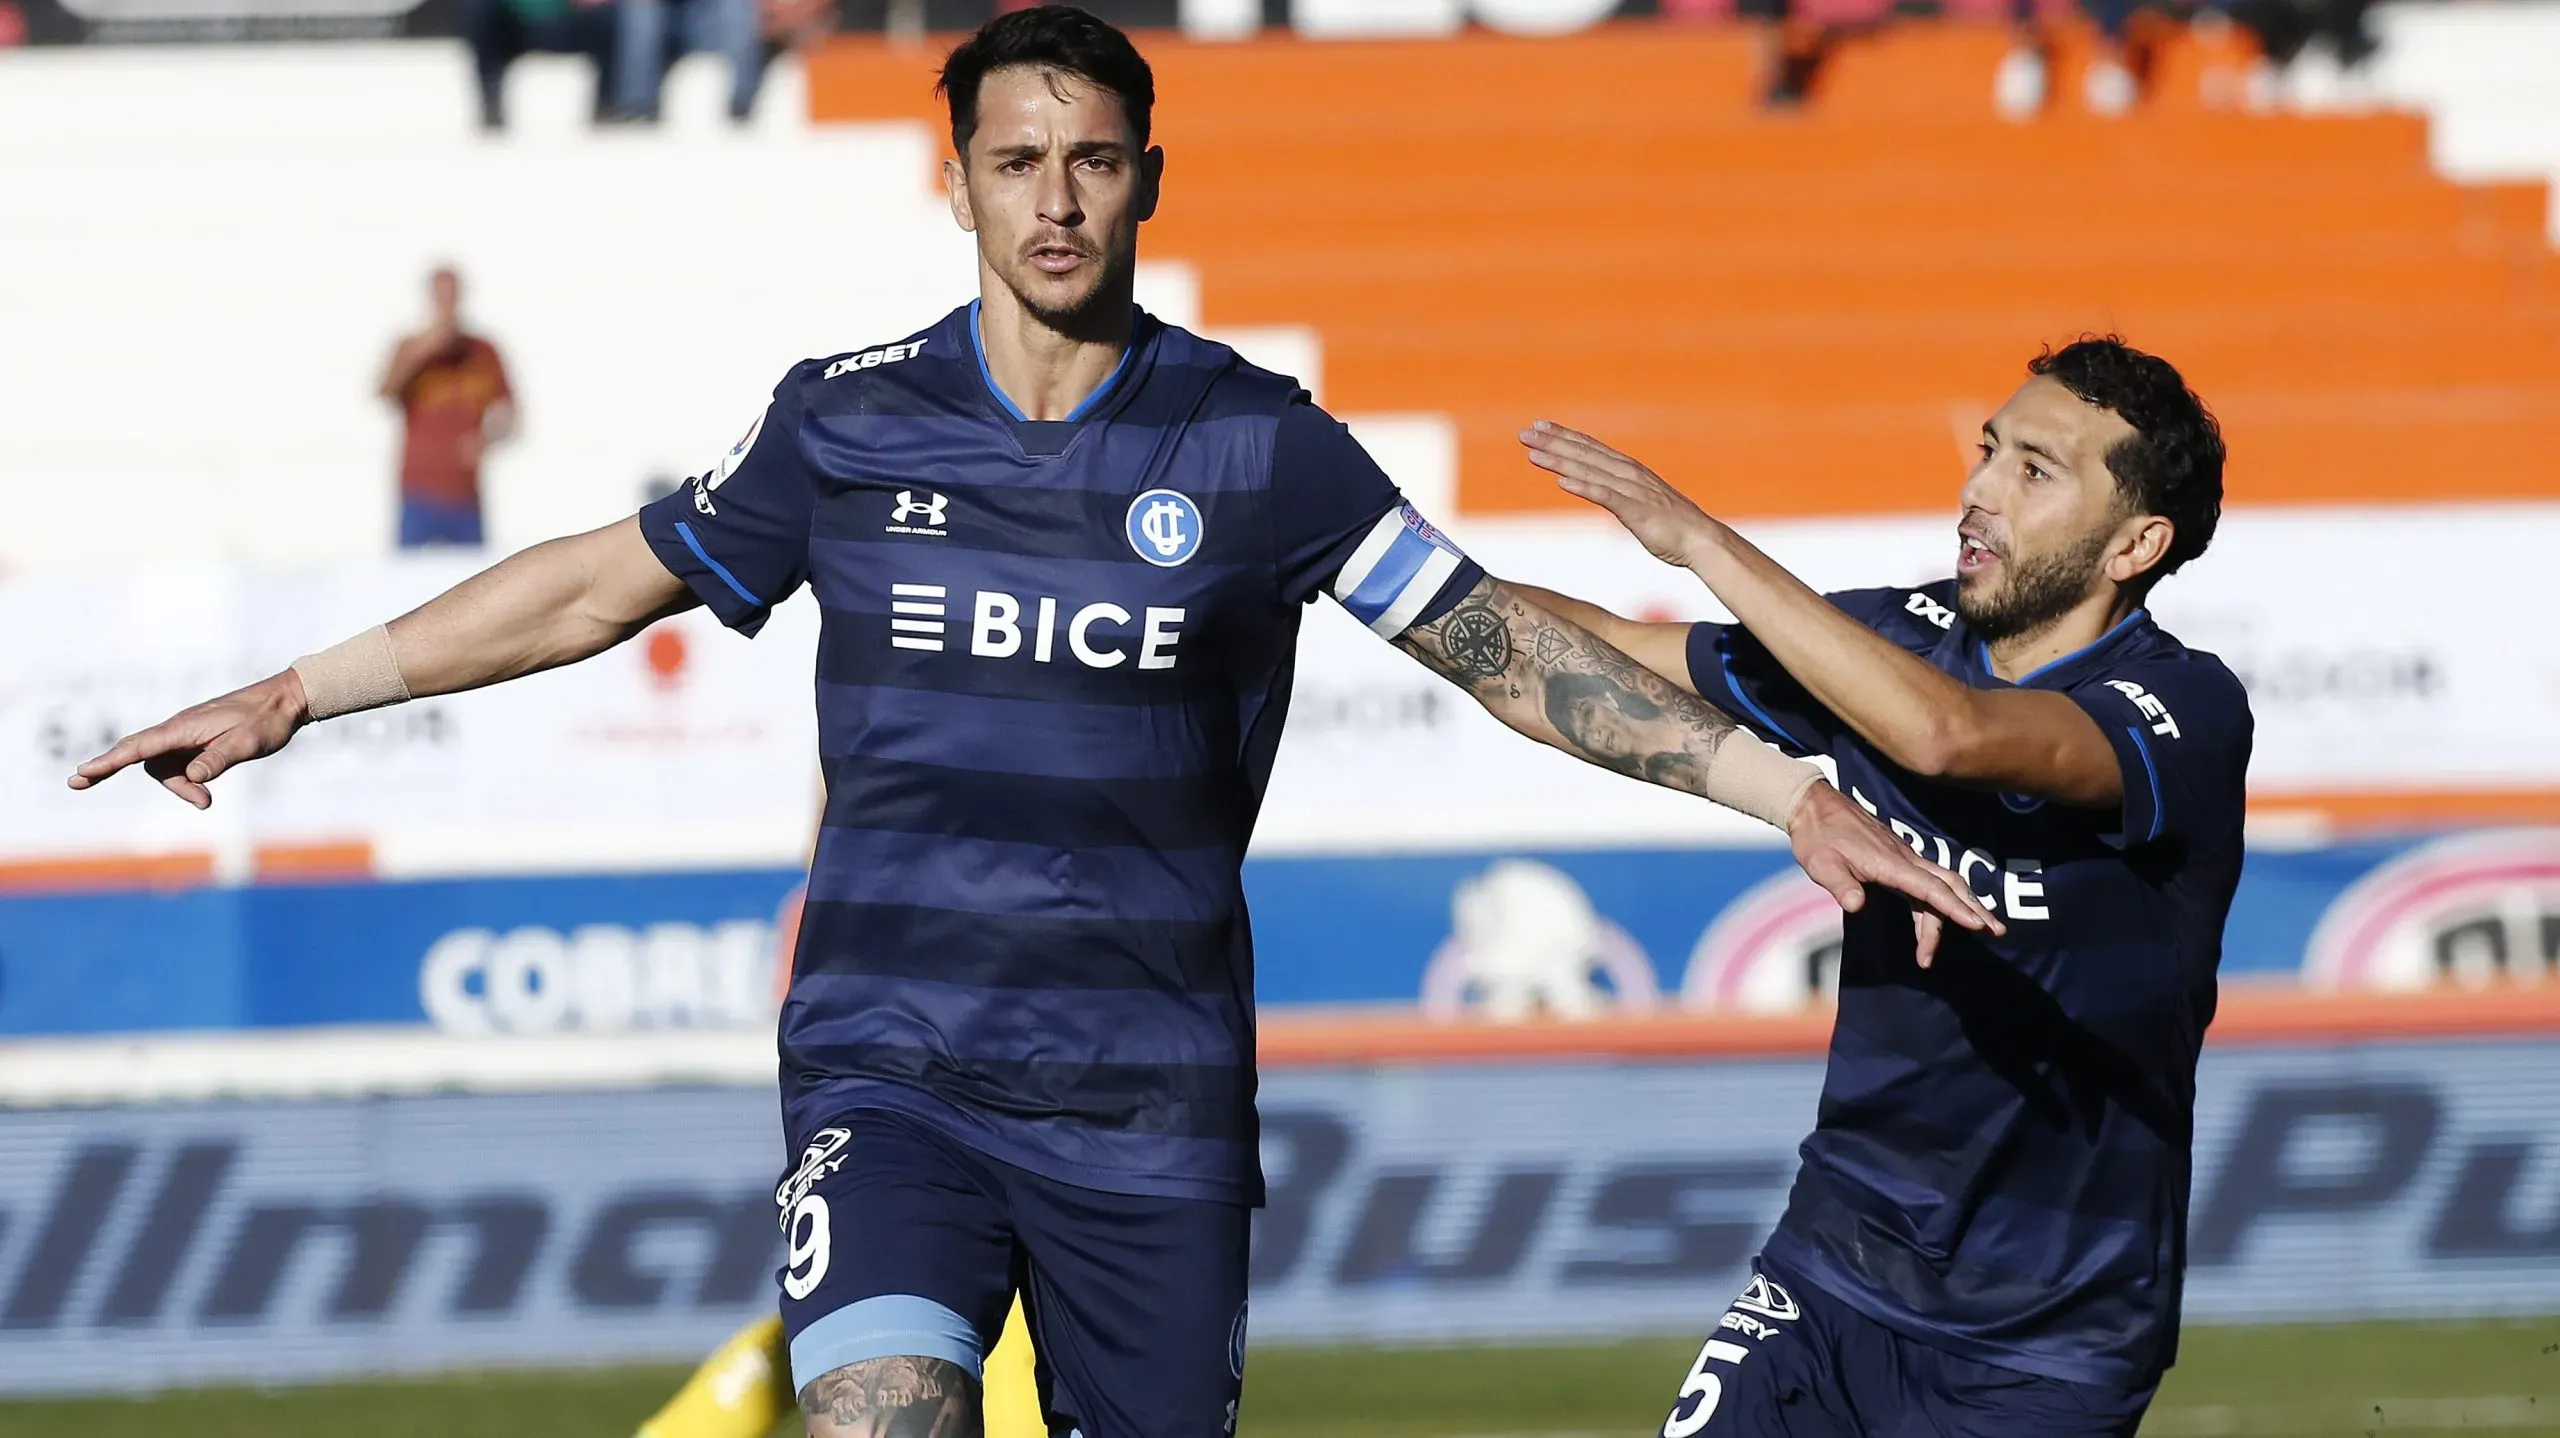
978,346
1984,650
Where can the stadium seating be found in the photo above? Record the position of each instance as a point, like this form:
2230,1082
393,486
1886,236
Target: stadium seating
213,246
1810,314
212,249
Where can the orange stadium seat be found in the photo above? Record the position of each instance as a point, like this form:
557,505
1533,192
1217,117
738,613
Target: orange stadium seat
1811,313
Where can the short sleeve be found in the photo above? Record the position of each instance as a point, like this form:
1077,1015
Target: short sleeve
1730,668
2181,730
738,534
503,390
1340,526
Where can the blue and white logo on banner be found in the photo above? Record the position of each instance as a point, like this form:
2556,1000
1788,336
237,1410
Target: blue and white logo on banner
1164,527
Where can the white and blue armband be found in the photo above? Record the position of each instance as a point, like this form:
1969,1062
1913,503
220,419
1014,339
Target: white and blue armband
1400,567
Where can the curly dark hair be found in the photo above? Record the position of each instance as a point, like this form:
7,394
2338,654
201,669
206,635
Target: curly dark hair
2171,465
1059,39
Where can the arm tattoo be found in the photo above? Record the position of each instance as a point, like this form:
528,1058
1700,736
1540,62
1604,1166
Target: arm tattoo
1535,670
893,1398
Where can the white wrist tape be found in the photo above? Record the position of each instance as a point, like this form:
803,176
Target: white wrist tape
1757,780
363,673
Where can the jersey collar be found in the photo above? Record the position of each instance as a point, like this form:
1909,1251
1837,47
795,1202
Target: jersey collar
1090,403
1978,652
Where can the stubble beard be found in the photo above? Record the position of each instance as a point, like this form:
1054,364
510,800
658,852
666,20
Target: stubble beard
1081,314
2037,592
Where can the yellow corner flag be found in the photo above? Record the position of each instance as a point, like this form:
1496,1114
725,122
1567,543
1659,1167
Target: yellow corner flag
744,1389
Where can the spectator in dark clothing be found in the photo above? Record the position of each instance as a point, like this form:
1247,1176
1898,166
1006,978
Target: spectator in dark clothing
498,31
653,34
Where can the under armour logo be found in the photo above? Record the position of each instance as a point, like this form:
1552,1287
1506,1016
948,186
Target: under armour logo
929,509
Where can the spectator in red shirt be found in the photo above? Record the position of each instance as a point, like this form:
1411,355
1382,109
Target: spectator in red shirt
454,403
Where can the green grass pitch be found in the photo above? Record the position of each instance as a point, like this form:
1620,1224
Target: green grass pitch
2371,1380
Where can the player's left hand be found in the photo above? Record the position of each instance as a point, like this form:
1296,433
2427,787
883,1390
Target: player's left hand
1668,522
1844,849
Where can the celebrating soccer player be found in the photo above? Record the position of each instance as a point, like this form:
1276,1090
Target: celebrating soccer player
1059,550
1988,1232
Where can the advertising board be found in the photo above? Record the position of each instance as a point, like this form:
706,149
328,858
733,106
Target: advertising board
152,1246
691,747
1565,932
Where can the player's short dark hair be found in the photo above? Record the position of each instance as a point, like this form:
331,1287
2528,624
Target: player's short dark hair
2171,465
1059,39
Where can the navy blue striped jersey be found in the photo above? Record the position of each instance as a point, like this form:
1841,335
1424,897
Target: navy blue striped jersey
1053,662
1999,1164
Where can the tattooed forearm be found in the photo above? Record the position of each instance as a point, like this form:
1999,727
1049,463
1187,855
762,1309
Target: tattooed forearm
1556,681
893,1398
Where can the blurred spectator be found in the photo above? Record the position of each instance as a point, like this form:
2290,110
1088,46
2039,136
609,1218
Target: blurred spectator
797,24
653,34
2108,86
454,403
498,31
2284,28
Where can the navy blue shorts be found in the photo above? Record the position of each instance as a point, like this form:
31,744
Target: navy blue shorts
899,1241
1789,1361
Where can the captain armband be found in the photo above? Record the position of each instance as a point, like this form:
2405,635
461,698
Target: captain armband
362,673
1398,569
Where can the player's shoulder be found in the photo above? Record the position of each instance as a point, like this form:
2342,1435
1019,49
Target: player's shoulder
854,367
2154,658
1915,616
1225,374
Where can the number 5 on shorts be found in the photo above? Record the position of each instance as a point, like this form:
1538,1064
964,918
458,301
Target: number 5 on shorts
1704,1386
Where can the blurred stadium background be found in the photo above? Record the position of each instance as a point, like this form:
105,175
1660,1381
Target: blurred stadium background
441,1045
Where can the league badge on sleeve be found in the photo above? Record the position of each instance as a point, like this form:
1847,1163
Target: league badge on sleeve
737,454
1164,527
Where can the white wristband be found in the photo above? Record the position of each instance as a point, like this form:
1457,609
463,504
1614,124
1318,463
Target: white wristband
1757,780
362,673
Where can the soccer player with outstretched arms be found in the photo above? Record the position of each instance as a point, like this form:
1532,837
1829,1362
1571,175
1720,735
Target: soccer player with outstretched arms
1987,1236
1060,550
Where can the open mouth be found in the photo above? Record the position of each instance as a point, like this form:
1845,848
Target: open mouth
1056,259
1973,556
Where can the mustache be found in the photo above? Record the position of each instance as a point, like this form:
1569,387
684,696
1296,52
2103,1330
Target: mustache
1062,240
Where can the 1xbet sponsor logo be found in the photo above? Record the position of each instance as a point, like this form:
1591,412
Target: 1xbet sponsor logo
1100,635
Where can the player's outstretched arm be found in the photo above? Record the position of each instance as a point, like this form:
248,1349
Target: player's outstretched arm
2027,741
1562,685
553,604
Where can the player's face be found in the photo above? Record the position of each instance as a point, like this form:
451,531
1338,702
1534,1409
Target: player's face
2043,518
444,291
1054,186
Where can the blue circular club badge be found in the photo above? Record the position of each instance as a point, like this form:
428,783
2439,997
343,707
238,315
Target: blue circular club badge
1164,527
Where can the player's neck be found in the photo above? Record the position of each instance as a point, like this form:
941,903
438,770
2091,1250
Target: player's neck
1045,370
2084,624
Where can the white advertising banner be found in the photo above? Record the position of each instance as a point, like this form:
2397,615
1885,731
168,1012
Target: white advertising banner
687,746
692,747
270,1242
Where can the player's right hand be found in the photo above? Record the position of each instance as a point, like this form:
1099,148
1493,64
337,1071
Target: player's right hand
1844,849
187,750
